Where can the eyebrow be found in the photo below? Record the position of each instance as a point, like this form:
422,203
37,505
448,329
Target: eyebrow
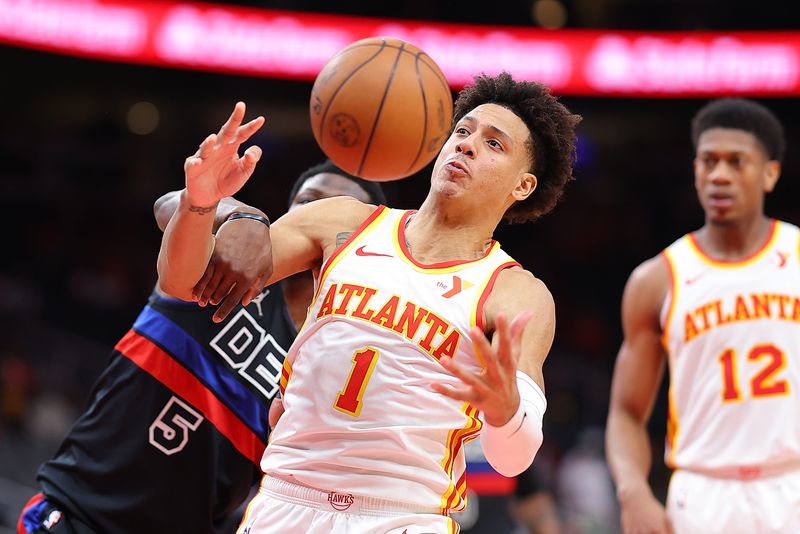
492,127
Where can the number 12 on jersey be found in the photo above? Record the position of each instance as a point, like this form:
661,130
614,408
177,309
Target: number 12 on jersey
763,383
349,399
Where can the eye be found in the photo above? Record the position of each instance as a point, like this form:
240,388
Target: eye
494,143
461,131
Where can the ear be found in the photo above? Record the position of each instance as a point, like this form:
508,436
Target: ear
772,171
525,186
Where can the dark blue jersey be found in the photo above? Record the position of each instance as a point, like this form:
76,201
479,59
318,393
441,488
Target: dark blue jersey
177,422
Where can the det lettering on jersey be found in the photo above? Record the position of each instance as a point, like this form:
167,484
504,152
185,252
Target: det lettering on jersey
251,351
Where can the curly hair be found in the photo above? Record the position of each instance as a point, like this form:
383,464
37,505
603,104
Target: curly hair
373,190
552,136
742,114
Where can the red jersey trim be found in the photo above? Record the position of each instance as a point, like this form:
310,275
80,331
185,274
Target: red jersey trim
478,316
447,265
695,245
161,366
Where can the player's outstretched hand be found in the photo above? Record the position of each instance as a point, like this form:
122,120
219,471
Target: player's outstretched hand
216,171
494,390
242,259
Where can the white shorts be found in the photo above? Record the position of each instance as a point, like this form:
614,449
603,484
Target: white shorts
702,504
282,507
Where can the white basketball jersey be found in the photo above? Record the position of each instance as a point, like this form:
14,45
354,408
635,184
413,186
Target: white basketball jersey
732,332
361,417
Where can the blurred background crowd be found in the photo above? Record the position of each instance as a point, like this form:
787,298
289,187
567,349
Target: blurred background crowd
87,146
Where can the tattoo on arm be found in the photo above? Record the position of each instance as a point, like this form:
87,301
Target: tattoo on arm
202,211
341,237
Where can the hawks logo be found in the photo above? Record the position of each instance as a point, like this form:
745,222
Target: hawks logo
340,501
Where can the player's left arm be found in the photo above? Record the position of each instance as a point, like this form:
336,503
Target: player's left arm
509,393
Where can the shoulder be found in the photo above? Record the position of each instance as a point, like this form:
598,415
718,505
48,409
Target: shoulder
341,211
647,287
652,276
517,290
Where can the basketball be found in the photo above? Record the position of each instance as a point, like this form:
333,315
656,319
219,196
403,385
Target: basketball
381,109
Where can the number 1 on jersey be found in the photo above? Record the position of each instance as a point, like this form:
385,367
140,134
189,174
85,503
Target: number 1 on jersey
349,399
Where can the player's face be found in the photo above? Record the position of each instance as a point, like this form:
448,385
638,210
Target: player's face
732,175
488,153
327,185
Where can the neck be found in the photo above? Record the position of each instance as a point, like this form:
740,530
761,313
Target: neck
735,240
435,235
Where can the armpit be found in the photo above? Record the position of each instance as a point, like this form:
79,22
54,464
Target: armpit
341,237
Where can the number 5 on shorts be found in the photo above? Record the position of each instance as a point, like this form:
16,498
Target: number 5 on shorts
349,399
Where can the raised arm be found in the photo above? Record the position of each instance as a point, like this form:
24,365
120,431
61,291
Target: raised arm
510,391
637,375
213,173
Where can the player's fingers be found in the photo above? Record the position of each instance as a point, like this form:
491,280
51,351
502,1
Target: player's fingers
244,131
226,284
249,160
207,146
458,371
201,284
501,340
228,131
481,345
212,285
517,329
459,394
254,290
227,304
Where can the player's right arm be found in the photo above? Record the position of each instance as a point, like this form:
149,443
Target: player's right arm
300,240
637,375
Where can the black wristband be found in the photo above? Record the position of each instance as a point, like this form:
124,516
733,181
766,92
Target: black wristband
244,215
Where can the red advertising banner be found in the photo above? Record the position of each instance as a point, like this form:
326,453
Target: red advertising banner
294,45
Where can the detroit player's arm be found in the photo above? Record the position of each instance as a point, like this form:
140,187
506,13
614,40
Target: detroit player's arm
637,374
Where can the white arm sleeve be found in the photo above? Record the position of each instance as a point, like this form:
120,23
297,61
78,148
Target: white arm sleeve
510,448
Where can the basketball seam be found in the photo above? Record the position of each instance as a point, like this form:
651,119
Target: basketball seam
338,89
432,65
378,114
436,70
425,114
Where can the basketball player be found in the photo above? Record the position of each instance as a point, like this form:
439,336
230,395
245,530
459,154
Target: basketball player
177,423
392,372
723,303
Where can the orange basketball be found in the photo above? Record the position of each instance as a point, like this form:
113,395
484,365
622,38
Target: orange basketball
381,109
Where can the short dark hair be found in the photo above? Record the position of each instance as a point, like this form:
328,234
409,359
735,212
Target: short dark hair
552,136
373,189
742,114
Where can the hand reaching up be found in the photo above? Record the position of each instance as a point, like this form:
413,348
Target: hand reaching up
216,171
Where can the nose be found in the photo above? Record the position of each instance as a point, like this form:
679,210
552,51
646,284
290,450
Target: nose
466,146
720,174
